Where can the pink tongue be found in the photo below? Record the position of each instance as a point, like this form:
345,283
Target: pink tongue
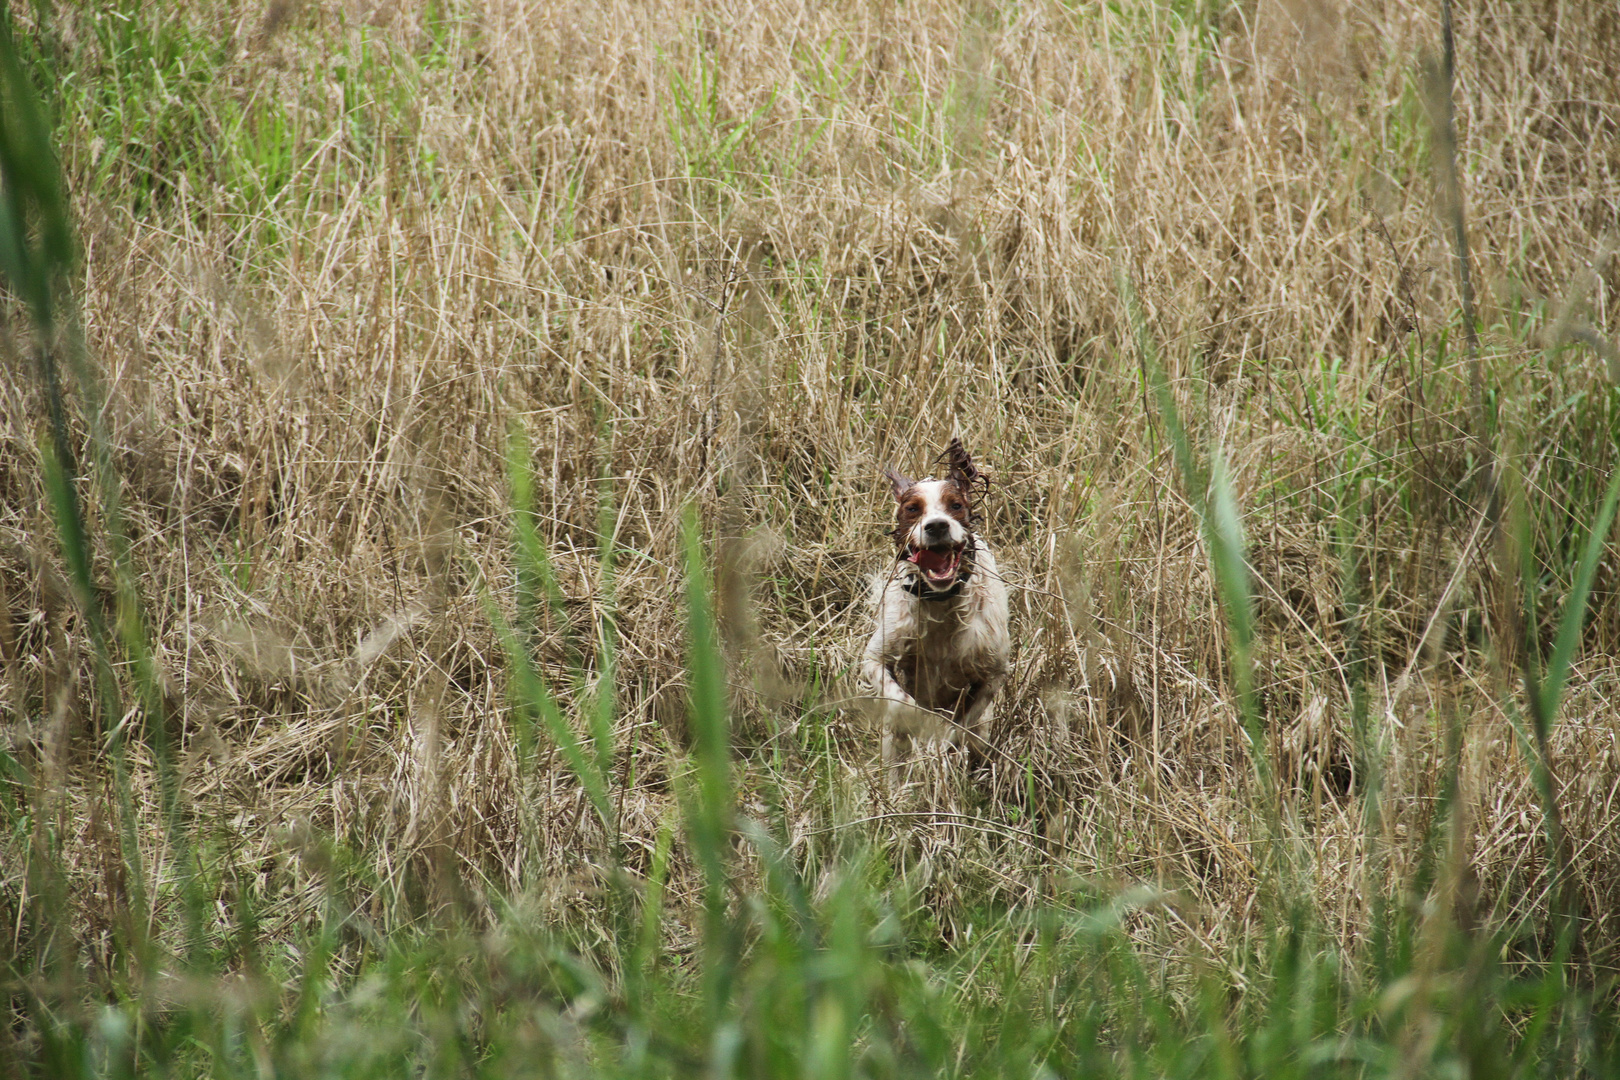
932,561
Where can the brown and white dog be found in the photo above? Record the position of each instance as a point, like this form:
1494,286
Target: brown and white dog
940,651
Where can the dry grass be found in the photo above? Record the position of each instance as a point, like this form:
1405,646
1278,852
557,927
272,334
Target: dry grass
742,255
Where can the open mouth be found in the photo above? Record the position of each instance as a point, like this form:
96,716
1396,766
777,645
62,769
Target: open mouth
938,565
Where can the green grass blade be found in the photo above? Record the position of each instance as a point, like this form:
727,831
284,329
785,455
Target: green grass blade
1573,620
709,815
534,701
1211,495
36,240
604,702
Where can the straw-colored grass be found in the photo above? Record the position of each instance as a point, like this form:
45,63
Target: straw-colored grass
740,256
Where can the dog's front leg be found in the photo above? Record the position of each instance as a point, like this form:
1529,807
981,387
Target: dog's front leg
971,718
894,704
876,674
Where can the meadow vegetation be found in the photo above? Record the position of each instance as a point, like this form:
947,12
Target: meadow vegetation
439,490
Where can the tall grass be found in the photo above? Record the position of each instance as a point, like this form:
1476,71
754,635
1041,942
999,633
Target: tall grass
438,487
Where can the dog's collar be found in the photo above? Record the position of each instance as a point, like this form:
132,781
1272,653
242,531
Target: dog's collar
922,592
915,586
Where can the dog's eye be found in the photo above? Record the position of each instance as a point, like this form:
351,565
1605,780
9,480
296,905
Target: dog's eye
955,504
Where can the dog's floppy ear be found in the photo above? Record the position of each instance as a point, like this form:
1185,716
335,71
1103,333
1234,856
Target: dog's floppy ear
963,471
898,480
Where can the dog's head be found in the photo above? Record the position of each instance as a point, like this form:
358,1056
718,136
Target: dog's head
934,519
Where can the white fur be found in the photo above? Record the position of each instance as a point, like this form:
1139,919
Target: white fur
936,665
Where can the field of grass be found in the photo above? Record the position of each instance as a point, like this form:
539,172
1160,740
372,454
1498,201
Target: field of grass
440,453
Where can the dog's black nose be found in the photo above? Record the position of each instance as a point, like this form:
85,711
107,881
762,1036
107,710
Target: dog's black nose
937,530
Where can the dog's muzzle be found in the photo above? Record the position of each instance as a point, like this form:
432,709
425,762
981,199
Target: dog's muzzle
938,565
942,570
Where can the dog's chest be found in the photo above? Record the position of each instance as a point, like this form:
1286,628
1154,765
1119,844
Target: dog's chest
946,650
944,630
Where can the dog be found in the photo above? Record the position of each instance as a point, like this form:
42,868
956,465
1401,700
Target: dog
940,652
